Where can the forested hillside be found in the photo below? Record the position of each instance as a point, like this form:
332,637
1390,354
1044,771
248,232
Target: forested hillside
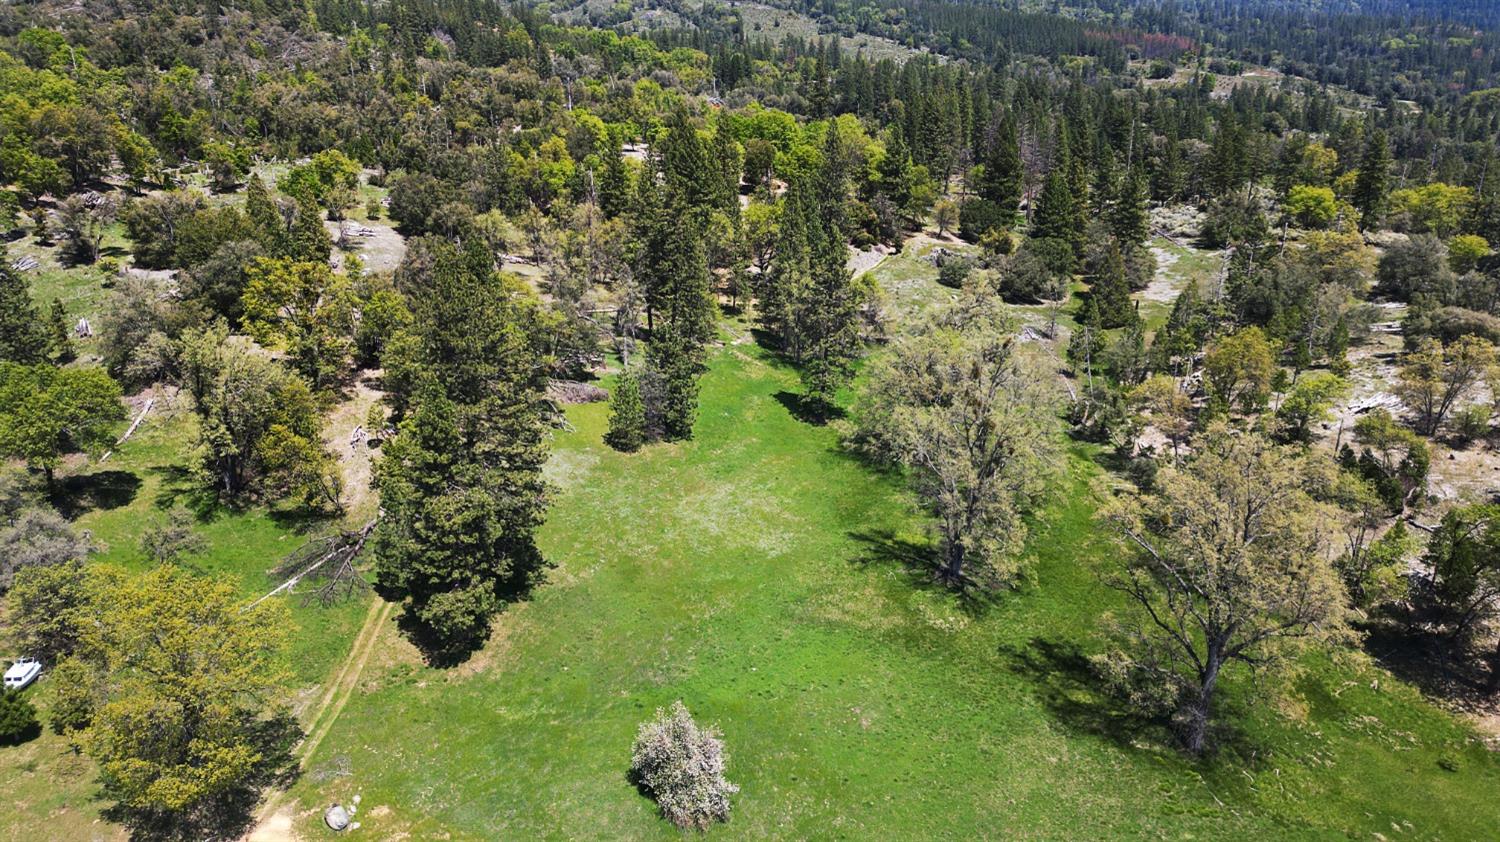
954,420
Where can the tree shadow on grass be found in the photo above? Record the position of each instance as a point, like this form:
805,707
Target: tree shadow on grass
300,520
1067,684
809,410
75,495
181,487
444,649
1427,660
922,563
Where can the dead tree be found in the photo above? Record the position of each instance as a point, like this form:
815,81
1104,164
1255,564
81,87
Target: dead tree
329,562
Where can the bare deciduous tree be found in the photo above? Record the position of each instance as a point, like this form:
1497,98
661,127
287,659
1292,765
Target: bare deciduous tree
1231,564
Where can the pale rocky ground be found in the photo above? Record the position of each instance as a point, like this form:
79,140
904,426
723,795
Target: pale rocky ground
379,245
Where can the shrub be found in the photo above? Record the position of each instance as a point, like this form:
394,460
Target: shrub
1465,251
18,719
682,767
954,271
1472,422
979,216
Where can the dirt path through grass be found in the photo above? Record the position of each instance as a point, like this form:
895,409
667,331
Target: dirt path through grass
274,821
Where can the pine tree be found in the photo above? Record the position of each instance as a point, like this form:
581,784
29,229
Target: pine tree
1174,346
1111,292
1087,341
831,310
1003,171
785,285
1128,220
18,722
264,217
1055,217
727,166
650,231
1106,186
1229,158
691,181
674,359
1167,179
1373,180
308,240
23,337
1075,168
461,486
893,175
614,186
673,267
60,340
627,415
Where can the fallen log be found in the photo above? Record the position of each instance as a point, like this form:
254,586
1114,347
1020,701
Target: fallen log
151,401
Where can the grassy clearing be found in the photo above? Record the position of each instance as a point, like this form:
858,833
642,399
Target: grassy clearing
773,24
761,575
82,289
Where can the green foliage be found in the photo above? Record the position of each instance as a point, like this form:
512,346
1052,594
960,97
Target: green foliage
1234,219
1312,207
156,225
190,722
23,336
1308,402
18,722
75,697
1055,217
978,216
52,606
308,240
46,412
1417,267
1373,181
1395,459
382,315
227,163
1437,208
59,336
1227,567
253,415
306,308
461,485
1464,555
627,415
328,178
1466,250
1110,292
1434,380
455,538
1127,218
1238,369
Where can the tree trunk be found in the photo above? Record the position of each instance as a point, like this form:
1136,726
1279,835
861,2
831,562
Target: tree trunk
953,561
1197,711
